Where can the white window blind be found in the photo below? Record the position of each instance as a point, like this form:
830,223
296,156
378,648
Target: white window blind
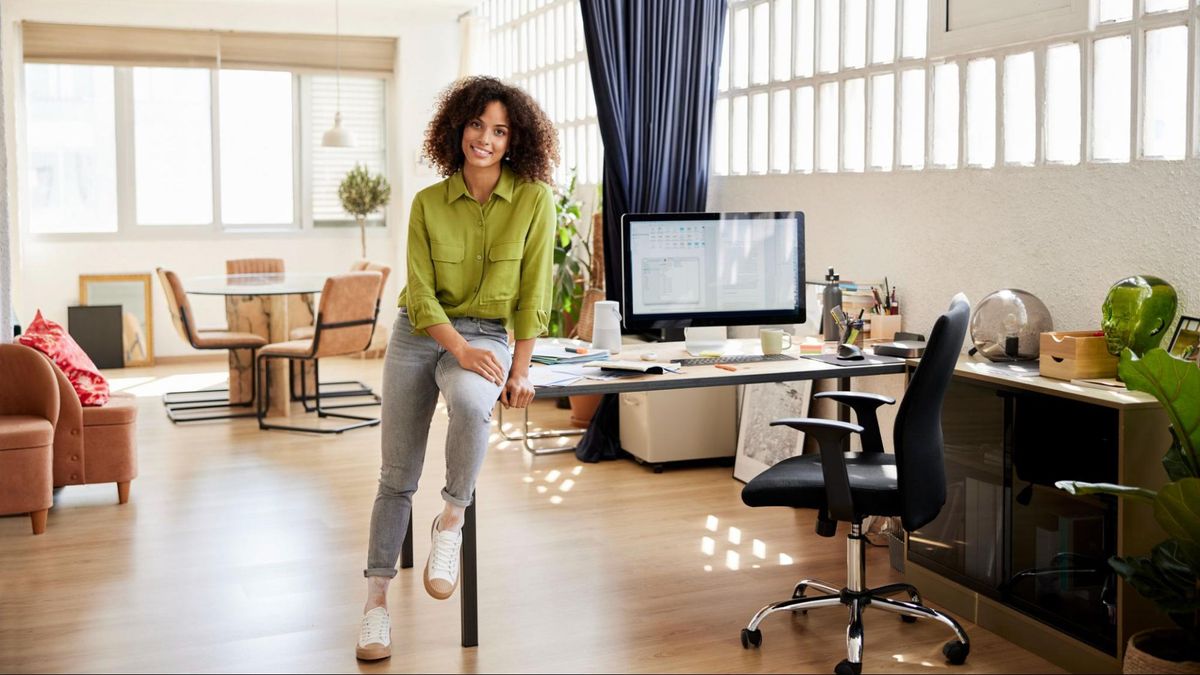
363,113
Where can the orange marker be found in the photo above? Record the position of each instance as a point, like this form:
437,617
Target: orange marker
723,366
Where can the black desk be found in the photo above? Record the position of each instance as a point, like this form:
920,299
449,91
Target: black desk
695,376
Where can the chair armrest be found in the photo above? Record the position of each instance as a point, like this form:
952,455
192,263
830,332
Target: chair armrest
830,435
864,406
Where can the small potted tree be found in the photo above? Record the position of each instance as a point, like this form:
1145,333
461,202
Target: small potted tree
362,194
1170,575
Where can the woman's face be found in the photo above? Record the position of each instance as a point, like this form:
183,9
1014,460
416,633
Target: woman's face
485,138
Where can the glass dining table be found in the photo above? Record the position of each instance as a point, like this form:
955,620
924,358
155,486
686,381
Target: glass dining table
267,304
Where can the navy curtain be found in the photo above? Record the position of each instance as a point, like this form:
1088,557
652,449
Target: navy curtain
654,66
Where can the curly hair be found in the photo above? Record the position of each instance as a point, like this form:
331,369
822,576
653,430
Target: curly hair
533,142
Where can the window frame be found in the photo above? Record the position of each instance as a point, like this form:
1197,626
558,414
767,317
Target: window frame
126,171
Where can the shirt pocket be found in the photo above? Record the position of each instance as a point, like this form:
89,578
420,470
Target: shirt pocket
448,270
504,272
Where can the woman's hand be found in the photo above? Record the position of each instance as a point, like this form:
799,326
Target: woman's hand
481,361
518,391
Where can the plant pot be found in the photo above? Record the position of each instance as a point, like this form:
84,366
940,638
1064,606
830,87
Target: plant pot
1150,651
583,408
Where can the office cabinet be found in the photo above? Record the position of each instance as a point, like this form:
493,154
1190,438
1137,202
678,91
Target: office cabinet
682,424
1020,557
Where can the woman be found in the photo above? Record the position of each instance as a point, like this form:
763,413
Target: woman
480,252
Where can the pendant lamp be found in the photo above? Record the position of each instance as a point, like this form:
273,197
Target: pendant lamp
338,136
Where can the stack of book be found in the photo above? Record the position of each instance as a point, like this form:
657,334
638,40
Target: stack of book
557,351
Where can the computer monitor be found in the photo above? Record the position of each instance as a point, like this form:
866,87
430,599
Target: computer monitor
712,269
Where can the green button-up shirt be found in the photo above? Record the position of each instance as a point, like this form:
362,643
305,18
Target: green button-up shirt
488,261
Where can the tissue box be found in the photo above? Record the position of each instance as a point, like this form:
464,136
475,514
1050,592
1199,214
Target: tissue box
1070,355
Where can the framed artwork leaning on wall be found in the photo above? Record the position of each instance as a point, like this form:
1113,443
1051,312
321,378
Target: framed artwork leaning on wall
132,292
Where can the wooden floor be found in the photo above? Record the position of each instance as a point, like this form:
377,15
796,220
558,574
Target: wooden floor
241,550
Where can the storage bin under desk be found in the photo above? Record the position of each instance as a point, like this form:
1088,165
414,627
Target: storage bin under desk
682,424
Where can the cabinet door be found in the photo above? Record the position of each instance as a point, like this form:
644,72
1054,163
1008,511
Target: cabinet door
1061,543
965,541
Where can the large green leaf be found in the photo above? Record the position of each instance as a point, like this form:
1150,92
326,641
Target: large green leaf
1080,488
1174,462
1176,385
1177,510
1173,593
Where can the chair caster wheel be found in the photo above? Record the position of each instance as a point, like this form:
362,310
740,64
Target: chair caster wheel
847,668
751,638
956,652
908,619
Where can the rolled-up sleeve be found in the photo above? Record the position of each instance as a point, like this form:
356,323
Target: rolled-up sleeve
424,310
537,262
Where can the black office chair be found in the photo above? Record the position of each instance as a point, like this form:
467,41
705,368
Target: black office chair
851,486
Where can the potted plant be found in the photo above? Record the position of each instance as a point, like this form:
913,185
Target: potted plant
571,279
1170,575
362,194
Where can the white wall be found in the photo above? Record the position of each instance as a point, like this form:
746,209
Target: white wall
46,269
1064,234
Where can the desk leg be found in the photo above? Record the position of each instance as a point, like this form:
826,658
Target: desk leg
469,595
406,553
843,384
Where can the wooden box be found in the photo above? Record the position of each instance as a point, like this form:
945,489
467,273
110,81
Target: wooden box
1082,354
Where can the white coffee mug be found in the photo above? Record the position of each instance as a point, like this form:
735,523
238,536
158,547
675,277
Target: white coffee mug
774,340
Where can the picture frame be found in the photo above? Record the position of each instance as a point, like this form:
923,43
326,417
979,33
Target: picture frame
760,445
1185,341
133,293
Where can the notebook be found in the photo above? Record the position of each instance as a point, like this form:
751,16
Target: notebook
647,367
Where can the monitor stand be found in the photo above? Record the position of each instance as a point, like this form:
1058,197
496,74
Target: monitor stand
707,339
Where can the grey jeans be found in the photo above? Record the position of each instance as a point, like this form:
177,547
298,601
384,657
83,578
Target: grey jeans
415,369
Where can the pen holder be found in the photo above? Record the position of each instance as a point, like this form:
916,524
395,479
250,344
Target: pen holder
856,329
884,326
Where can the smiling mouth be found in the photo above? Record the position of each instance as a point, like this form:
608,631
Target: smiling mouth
480,152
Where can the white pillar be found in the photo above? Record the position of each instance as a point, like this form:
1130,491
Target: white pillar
6,277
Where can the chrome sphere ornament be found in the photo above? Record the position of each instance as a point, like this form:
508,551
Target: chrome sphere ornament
1008,325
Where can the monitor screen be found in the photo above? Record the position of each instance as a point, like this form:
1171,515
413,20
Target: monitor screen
712,269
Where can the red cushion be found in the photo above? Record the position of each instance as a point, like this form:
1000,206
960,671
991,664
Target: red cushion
53,341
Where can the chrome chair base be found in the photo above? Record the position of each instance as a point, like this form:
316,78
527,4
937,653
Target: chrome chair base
858,599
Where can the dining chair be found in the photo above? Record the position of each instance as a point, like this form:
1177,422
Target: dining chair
345,323
181,405
346,388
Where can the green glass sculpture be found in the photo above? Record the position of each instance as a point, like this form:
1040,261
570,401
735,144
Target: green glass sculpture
1137,313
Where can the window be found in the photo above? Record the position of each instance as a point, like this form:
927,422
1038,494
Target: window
71,136
362,105
172,140
256,147
866,94
227,161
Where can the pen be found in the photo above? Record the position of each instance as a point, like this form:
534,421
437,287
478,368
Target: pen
723,366
576,350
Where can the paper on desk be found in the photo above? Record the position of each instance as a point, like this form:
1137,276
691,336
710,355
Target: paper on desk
555,376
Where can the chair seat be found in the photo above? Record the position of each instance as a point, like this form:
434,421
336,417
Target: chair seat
18,432
296,348
799,483
220,339
303,333
120,409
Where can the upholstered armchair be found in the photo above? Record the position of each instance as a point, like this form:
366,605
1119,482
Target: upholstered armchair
29,409
95,444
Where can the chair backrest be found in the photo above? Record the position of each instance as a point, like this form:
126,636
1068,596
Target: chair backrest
346,315
368,266
28,385
178,305
254,266
920,467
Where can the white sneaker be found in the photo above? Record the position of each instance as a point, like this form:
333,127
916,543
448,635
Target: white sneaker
441,569
374,636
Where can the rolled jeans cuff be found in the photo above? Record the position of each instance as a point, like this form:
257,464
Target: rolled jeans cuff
389,572
464,503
